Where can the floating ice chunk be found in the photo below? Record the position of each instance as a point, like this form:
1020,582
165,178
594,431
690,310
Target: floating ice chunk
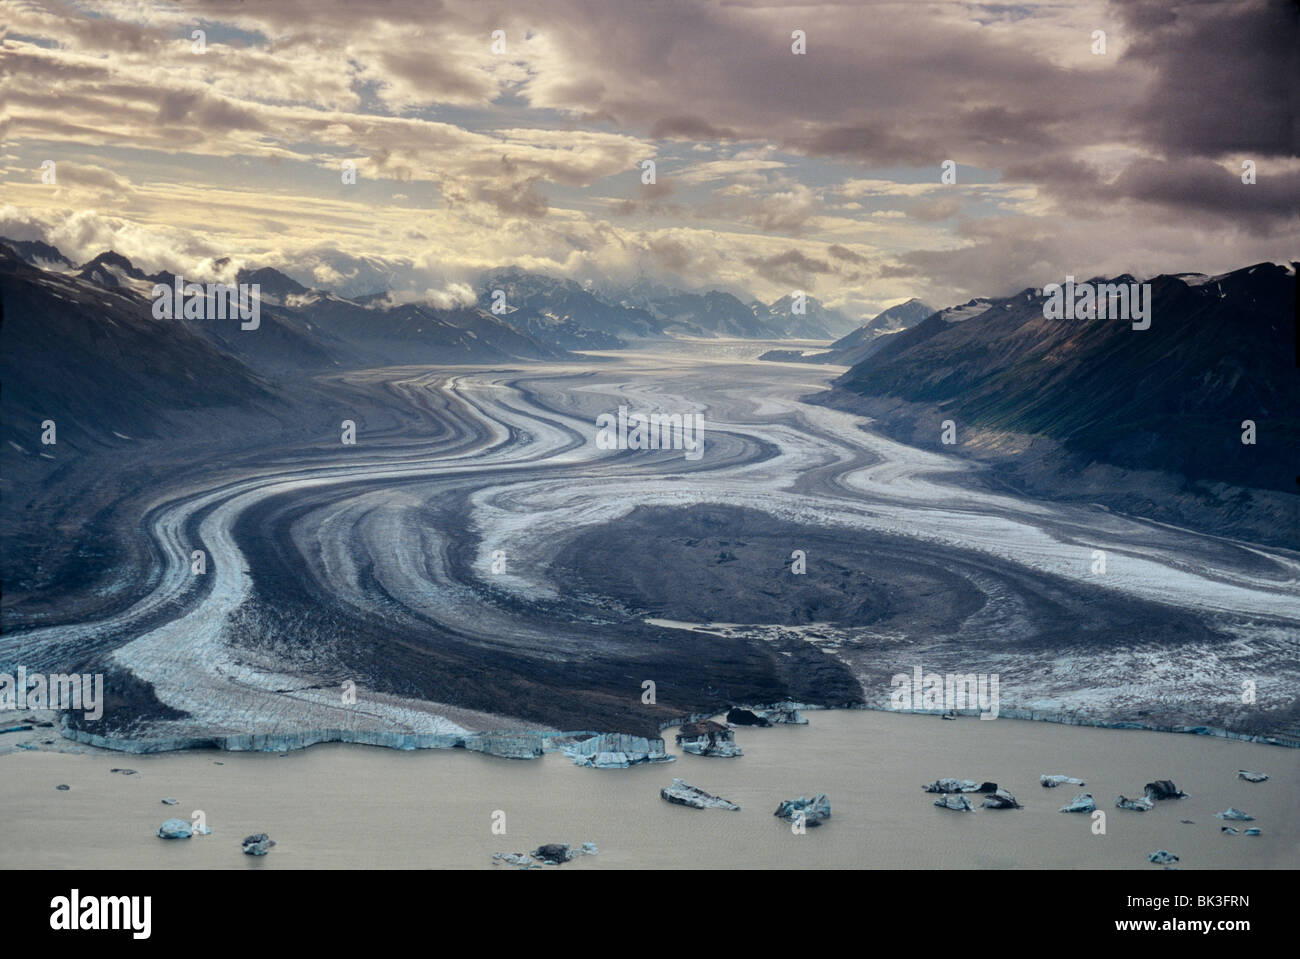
684,794
258,844
1164,789
175,829
708,738
513,859
786,713
814,811
1083,802
1138,805
616,751
1051,782
1001,799
740,716
958,802
553,853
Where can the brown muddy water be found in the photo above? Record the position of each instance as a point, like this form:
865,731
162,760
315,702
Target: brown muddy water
340,806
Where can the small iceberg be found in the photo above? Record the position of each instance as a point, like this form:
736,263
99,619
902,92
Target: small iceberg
515,859
813,811
175,829
948,785
739,716
1001,799
786,713
258,844
1051,782
1162,857
1251,777
1083,802
547,854
708,738
782,714
1138,805
1235,814
553,853
683,793
956,802
1164,789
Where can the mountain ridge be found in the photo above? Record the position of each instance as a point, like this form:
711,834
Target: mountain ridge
1170,398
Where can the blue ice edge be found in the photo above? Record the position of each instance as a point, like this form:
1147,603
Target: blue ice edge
511,744
1073,719
530,744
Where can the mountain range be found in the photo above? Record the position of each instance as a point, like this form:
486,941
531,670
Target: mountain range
76,333
557,314
862,341
582,317
1175,397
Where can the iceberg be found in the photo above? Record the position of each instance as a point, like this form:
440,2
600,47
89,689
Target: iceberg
553,853
708,738
175,829
616,751
684,794
784,713
1001,799
258,844
1051,782
1138,805
815,811
1164,789
1083,802
957,802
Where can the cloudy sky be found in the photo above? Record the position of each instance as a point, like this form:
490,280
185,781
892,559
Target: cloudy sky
774,170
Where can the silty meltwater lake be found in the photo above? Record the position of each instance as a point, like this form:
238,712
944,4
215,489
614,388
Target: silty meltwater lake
340,806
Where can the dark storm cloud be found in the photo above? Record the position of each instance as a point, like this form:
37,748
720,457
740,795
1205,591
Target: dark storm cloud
689,128
1205,187
1227,75
791,266
844,253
